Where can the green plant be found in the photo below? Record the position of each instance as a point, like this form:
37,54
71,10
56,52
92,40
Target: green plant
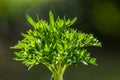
55,45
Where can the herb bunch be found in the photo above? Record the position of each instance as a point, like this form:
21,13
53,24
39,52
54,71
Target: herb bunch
55,45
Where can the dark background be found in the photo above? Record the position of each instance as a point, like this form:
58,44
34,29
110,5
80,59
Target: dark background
100,17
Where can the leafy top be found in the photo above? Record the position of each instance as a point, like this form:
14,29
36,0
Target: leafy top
54,43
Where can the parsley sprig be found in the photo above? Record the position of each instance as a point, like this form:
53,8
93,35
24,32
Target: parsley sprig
55,45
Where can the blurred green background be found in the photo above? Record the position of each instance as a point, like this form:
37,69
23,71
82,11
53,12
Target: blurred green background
100,17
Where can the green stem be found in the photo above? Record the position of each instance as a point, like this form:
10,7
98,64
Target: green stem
57,71
58,76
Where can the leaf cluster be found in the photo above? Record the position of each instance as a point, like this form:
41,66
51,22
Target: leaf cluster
54,43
